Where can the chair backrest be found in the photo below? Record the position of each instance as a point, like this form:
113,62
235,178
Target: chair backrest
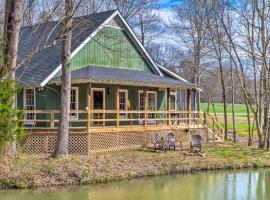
171,137
157,137
196,139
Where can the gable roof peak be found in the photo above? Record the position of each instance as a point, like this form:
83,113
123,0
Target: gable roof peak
50,59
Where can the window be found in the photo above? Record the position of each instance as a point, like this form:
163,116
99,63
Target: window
183,100
30,103
173,100
152,103
73,101
141,104
123,98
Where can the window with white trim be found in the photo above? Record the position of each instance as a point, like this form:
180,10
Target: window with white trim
30,103
152,103
123,99
141,104
73,101
173,100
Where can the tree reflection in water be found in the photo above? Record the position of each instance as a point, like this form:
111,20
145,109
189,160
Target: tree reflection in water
226,185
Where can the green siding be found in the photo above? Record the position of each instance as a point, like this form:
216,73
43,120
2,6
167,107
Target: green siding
110,48
162,98
49,99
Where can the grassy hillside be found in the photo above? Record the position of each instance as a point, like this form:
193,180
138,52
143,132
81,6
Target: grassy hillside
239,108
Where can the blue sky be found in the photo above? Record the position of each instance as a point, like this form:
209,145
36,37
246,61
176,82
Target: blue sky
168,3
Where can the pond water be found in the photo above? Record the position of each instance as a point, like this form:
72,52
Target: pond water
227,185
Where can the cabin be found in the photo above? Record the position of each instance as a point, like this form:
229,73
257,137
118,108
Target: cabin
119,96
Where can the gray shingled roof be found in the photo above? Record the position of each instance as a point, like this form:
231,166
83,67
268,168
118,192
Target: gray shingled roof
34,38
117,76
45,60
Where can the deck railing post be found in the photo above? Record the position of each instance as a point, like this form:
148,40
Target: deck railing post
117,105
145,106
204,118
189,105
168,106
89,108
52,119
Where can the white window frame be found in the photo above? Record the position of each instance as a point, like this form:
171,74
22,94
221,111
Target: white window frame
141,115
24,105
155,93
76,101
173,93
123,115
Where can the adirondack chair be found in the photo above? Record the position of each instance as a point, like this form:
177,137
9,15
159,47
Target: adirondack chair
196,142
172,141
159,143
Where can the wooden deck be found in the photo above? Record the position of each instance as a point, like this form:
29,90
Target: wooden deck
90,139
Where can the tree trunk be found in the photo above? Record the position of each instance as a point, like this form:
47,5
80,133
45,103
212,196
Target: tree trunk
233,106
12,26
13,21
224,100
61,148
250,139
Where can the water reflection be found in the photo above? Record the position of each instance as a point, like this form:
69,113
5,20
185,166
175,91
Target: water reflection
230,185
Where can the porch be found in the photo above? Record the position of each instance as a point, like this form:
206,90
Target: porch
112,110
95,139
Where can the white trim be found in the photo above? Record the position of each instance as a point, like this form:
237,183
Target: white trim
77,102
152,92
141,114
139,92
24,104
93,34
172,73
78,49
149,120
176,76
123,115
113,27
175,100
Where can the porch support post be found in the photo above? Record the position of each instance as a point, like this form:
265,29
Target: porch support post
89,108
168,107
145,97
117,104
189,105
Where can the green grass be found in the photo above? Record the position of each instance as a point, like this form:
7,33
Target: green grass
30,171
239,108
241,128
241,120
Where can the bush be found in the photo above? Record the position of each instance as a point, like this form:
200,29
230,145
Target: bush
10,128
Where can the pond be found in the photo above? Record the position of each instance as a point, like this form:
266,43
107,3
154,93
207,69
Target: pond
226,185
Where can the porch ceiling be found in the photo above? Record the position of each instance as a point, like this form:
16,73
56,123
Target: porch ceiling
109,75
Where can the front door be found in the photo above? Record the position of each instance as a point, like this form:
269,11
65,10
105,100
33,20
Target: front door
98,105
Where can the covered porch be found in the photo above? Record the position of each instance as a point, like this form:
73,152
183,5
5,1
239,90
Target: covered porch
112,109
115,98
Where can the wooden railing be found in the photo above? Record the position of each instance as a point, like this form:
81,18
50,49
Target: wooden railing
114,118
212,123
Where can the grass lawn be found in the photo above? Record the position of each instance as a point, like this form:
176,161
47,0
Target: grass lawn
27,171
241,120
240,109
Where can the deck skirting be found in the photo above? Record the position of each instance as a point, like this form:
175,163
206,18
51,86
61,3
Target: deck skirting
42,141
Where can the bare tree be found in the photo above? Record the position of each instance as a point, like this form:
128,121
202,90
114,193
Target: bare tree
13,21
61,147
12,25
189,26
